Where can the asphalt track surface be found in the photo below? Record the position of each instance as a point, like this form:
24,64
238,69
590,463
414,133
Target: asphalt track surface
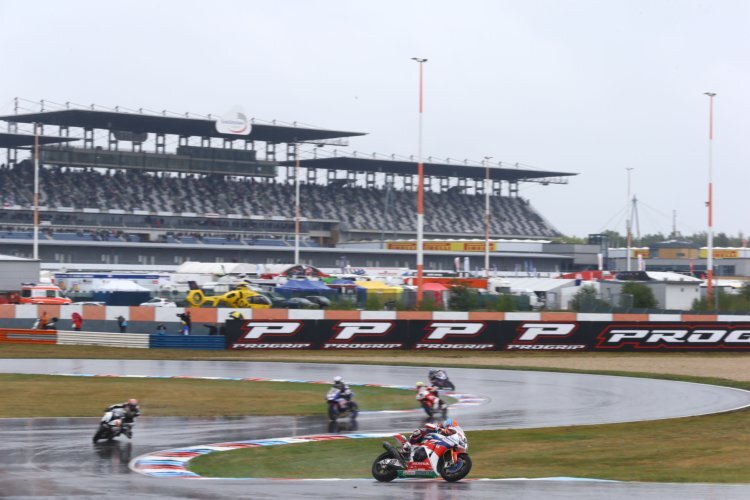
54,458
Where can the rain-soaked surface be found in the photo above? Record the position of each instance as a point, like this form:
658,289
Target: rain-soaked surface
47,457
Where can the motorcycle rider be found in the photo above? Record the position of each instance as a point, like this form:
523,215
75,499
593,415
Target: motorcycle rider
344,391
447,428
131,410
426,391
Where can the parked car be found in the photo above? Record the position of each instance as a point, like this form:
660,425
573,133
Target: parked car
89,303
159,302
277,301
322,302
300,303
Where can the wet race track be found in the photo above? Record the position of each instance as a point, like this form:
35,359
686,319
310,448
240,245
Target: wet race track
55,457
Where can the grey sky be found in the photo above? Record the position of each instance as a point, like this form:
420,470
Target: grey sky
591,87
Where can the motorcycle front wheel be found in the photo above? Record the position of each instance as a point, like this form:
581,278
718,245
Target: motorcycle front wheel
381,472
103,433
457,471
354,411
333,413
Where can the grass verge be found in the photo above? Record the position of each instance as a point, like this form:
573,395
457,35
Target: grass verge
711,449
59,396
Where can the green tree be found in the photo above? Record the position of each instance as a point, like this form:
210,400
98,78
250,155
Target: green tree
428,303
643,296
586,300
462,298
374,302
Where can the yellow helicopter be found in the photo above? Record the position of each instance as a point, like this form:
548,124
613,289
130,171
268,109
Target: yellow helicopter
240,297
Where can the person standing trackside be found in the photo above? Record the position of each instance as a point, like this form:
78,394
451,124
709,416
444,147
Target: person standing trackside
122,323
41,323
77,321
186,323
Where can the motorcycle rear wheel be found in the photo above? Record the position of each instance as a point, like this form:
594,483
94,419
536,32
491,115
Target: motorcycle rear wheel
460,473
383,474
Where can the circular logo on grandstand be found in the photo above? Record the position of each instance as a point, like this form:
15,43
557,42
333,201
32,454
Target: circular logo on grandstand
233,122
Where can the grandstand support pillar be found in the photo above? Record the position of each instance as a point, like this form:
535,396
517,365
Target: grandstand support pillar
312,176
88,138
112,143
12,156
161,143
271,151
420,188
513,189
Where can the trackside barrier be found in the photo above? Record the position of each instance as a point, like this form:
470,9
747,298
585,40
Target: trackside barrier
563,332
27,336
202,342
133,340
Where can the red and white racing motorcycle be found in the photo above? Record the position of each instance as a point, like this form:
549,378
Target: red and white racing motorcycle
437,455
431,403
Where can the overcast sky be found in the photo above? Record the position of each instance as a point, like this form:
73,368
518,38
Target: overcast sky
591,87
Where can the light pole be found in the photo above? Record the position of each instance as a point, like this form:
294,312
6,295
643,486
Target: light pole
487,189
710,203
629,223
36,192
296,203
420,190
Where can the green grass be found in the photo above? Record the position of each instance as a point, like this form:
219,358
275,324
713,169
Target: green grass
60,396
711,449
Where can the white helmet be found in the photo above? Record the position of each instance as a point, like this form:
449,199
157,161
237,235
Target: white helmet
337,379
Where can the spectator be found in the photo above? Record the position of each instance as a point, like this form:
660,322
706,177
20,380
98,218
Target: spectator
122,323
161,329
41,323
186,323
77,321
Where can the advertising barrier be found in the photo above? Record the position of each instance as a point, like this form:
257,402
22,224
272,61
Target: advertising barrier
487,335
27,336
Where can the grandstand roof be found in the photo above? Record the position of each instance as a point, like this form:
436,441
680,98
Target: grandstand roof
430,169
8,140
195,127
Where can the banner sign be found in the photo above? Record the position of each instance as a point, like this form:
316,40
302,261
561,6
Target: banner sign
487,335
233,122
441,246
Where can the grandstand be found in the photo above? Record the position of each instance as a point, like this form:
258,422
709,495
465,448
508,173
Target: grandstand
164,189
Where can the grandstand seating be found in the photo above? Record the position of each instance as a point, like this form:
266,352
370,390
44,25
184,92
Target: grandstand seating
356,208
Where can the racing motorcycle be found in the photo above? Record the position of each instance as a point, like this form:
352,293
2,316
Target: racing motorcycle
438,378
113,424
437,455
432,404
340,407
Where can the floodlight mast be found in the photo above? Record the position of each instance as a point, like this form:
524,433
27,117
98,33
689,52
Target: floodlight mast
710,205
487,216
296,204
420,189
629,225
36,192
